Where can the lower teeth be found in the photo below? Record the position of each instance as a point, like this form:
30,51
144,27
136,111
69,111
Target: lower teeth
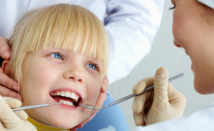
66,102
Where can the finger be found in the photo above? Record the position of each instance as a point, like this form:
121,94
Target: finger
2,128
7,116
148,104
7,81
100,100
73,129
161,88
142,84
21,114
4,48
12,103
147,108
176,99
140,102
85,122
140,106
4,91
80,125
139,119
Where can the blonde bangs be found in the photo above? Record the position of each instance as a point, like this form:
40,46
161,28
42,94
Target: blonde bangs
62,26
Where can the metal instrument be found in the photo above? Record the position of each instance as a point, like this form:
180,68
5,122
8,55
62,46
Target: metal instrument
34,106
89,106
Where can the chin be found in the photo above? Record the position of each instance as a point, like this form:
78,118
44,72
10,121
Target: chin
203,87
58,119
63,124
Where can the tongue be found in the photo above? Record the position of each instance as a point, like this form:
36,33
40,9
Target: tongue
62,98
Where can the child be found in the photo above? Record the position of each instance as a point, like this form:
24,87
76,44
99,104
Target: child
59,55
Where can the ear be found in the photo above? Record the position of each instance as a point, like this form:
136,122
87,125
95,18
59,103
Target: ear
104,85
5,67
102,96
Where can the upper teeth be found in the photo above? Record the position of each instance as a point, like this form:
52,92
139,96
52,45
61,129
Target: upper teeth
68,94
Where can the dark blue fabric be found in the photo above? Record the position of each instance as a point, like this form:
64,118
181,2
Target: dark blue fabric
109,116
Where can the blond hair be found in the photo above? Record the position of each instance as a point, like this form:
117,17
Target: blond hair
61,26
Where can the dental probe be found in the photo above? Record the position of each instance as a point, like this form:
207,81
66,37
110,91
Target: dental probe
89,106
34,106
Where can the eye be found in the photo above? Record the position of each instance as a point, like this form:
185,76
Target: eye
92,66
56,55
172,7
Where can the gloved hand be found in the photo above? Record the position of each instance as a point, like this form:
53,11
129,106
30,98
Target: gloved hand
13,121
162,104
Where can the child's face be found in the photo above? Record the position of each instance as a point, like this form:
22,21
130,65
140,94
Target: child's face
47,73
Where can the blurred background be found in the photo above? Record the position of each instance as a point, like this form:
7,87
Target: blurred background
163,54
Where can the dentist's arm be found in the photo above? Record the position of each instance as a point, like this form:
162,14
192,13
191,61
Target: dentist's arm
13,121
162,104
131,26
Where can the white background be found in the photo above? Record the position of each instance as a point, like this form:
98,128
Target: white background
174,59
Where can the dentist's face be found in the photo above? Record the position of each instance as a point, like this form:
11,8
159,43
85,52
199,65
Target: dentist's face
57,75
193,30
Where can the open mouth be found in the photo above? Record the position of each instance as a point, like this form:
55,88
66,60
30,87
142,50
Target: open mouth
66,97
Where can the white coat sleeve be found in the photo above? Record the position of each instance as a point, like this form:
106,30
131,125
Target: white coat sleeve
199,121
131,26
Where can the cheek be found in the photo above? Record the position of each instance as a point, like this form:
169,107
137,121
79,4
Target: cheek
184,27
94,89
37,81
179,28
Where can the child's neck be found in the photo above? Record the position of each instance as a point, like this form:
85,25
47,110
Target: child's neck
42,127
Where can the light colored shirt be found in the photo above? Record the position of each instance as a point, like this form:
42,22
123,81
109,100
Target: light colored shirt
131,26
199,121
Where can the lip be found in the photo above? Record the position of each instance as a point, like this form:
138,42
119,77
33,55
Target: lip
63,105
66,89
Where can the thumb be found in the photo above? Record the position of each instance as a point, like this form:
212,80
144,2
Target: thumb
7,116
161,88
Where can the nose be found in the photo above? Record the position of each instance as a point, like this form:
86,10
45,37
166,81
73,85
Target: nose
176,44
74,74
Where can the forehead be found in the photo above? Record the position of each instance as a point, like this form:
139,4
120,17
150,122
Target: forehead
190,3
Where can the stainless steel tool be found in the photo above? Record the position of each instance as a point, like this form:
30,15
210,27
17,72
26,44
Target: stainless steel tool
89,106
34,106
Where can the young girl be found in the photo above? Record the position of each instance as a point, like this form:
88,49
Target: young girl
59,55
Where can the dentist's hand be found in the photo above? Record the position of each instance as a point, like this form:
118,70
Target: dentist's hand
13,121
162,104
7,85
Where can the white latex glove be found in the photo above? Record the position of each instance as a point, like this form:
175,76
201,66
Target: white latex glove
11,121
162,104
